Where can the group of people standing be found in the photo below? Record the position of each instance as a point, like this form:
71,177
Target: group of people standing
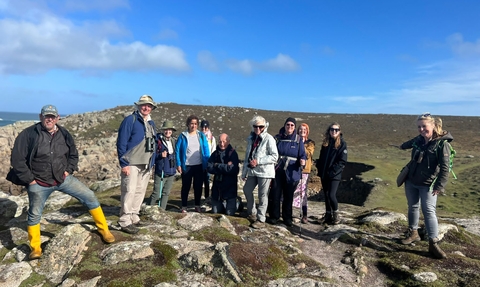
280,166
44,158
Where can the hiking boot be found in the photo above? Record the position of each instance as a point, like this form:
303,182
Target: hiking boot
130,229
252,218
304,220
140,224
435,250
288,223
272,221
411,236
208,201
198,209
258,224
326,219
335,218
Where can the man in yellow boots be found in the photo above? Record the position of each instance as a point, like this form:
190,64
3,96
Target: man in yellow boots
43,159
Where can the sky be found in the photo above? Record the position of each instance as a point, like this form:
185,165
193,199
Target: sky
349,56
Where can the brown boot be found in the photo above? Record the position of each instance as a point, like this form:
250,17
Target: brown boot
326,219
435,250
411,236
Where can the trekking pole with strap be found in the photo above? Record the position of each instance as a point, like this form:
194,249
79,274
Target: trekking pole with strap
301,202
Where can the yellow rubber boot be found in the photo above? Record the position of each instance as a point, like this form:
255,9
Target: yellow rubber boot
101,223
35,241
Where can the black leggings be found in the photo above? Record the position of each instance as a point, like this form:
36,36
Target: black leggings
330,188
194,172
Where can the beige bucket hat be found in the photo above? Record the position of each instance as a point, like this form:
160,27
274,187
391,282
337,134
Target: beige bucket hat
146,99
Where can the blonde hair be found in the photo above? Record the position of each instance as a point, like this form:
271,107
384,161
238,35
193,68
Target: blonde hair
435,121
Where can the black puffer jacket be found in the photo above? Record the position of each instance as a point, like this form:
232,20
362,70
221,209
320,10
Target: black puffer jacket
430,162
29,162
332,161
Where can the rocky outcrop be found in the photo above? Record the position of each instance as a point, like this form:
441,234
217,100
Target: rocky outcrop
212,250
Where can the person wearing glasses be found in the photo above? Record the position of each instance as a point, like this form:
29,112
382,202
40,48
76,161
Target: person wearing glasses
258,169
288,172
300,195
330,165
427,178
136,149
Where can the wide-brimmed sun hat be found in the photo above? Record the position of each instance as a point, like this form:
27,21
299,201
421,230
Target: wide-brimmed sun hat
146,99
168,125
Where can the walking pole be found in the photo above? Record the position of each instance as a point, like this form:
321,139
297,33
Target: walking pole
301,203
161,186
160,190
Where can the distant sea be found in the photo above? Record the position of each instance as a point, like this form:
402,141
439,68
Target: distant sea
7,118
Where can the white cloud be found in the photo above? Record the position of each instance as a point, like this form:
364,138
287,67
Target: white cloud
43,42
207,61
462,48
244,66
282,63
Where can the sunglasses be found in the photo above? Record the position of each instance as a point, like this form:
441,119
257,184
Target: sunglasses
334,130
425,115
258,127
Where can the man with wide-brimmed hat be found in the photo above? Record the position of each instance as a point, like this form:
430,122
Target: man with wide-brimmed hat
136,147
165,167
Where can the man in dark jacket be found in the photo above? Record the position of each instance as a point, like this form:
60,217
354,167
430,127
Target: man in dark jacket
44,158
223,164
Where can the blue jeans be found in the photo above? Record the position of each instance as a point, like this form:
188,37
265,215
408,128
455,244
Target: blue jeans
421,195
38,195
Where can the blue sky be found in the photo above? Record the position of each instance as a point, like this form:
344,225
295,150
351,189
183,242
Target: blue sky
393,57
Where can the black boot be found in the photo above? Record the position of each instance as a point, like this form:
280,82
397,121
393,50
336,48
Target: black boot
335,218
326,219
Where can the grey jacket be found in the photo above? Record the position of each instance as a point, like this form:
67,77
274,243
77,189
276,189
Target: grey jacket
265,153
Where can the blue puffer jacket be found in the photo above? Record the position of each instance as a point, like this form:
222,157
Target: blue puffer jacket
290,152
131,133
181,149
165,164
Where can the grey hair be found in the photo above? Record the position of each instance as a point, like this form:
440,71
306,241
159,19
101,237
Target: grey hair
257,120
